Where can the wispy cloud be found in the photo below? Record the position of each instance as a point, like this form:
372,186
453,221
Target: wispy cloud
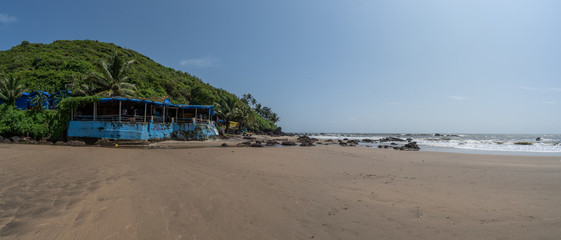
551,103
458,98
529,88
205,62
5,18
551,89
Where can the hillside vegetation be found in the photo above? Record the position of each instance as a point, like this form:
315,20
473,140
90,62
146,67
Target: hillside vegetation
53,67
49,67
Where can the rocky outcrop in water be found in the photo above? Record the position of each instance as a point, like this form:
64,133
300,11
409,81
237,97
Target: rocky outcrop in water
391,139
288,143
272,143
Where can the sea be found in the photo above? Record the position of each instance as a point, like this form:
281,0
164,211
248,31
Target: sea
499,144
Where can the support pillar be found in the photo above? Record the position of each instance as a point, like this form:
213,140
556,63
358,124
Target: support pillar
95,111
120,105
145,108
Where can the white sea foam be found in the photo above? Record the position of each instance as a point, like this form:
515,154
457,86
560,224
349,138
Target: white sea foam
476,142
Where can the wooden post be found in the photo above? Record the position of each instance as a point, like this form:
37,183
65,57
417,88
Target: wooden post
176,114
95,110
164,114
145,108
120,104
72,114
195,115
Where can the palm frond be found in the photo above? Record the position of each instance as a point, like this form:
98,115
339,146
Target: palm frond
125,85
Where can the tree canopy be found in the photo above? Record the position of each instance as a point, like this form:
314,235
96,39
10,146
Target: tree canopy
68,65
113,81
10,89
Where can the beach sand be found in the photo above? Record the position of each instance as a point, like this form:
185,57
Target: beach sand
322,192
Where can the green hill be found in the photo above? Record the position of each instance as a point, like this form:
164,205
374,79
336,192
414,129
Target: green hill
50,67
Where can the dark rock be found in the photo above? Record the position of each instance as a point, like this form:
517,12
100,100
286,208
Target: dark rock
16,139
249,138
380,146
272,143
288,143
224,145
303,139
409,139
437,135
104,142
244,144
367,140
1,139
393,143
412,146
278,131
392,139
61,143
256,145
538,139
76,143
306,141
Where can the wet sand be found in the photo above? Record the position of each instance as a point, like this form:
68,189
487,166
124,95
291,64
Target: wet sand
322,192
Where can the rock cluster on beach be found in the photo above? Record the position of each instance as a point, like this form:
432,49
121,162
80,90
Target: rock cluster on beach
306,141
28,140
303,141
246,141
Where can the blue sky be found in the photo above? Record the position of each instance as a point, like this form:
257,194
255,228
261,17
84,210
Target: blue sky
339,66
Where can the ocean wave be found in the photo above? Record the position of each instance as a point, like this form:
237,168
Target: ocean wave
479,142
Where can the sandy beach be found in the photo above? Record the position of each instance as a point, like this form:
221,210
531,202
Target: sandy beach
321,192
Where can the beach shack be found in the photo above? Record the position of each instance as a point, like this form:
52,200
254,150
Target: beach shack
141,119
30,100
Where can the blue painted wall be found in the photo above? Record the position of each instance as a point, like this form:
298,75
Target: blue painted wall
111,130
206,129
135,131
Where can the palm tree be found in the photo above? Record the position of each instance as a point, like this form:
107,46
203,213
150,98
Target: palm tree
112,80
78,88
245,115
10,89
225,109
